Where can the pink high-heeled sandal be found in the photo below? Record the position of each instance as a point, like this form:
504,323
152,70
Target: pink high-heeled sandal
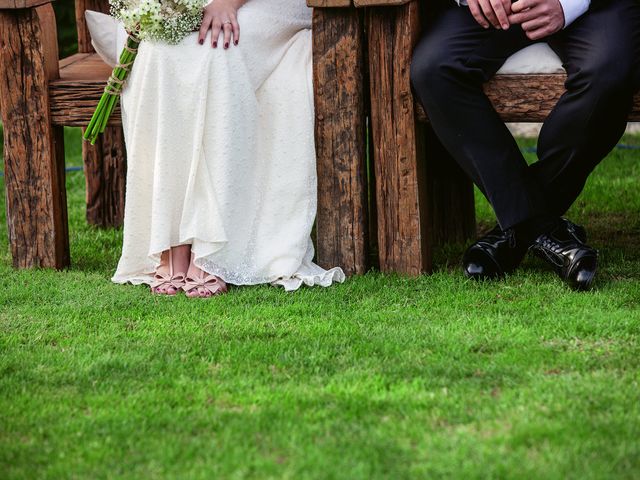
168,279
211,284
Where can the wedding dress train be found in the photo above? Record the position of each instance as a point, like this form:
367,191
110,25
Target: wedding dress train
221,153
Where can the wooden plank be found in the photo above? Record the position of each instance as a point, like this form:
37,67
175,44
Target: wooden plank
83,77
379,3
105,162
84,38
328,3
73,103
338,47
105,168
34,150
88,66
403,244
531,97
14,4
449,206
65,62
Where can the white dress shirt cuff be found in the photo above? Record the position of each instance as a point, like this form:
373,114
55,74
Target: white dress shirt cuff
573,9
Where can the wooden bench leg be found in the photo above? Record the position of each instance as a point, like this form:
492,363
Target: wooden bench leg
105,163
33,149
341,222
105,169
398,142
450,206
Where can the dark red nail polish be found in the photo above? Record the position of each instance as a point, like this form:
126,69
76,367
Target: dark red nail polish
215,44
226,45
235,43
201,42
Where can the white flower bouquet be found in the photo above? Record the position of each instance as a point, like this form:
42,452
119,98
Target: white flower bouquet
154,20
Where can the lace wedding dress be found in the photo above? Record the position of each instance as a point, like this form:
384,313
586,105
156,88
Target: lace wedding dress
221,153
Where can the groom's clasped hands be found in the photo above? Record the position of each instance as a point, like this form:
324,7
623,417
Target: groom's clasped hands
538,18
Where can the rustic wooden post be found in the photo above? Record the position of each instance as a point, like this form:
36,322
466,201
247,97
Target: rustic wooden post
449,201
105,163
424,197
33,148
342,219
404,245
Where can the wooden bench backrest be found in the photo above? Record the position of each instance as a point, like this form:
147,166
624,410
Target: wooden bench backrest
84,39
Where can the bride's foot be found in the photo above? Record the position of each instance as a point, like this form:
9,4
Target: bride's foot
200,284
170,274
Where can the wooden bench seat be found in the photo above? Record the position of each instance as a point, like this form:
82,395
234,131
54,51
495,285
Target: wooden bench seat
530,97
517,98
410,197
76,93
362,56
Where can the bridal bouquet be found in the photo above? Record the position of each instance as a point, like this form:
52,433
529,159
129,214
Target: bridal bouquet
157,20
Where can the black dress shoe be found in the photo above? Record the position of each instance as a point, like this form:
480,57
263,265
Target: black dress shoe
577,230
574,261
493,255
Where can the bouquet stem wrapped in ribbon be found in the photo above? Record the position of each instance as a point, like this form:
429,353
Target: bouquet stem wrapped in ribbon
112,91
167,21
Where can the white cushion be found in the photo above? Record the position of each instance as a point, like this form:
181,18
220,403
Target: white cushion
108,36
536,58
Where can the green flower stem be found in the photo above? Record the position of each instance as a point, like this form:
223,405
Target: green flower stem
109,99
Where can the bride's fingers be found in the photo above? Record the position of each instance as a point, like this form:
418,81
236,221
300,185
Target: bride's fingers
216,28
204,28
228,30
236,31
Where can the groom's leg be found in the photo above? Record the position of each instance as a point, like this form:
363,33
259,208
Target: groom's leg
601,52
450,64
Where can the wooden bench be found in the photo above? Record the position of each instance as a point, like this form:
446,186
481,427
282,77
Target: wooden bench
362,55
39,95
408,199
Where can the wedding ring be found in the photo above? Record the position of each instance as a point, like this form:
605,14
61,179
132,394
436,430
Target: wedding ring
227,22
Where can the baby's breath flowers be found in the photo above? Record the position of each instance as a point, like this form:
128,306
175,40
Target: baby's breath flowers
167,21
160,20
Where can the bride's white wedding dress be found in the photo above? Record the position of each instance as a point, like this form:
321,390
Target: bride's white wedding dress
221,153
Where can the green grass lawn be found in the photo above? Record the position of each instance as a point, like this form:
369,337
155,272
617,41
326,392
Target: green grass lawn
381,377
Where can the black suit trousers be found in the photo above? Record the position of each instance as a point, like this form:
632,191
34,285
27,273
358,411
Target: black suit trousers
601,54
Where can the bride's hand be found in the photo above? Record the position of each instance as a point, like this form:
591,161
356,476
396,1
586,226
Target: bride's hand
221,16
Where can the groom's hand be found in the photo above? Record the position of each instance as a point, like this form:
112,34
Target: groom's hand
491,12
538,18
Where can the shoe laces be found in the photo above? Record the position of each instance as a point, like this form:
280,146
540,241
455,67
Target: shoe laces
511,236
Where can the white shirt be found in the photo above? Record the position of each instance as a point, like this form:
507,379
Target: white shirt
572,9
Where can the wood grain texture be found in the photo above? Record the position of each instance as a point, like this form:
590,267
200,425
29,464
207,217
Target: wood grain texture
104,162
84,66
449,206
33,149
531,97
328,3
105,168
340,130
76,94
379,3
398,153
82,79
84,38
14,4
73,103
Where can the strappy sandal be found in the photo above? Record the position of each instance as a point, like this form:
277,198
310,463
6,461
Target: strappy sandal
168,279
204,284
